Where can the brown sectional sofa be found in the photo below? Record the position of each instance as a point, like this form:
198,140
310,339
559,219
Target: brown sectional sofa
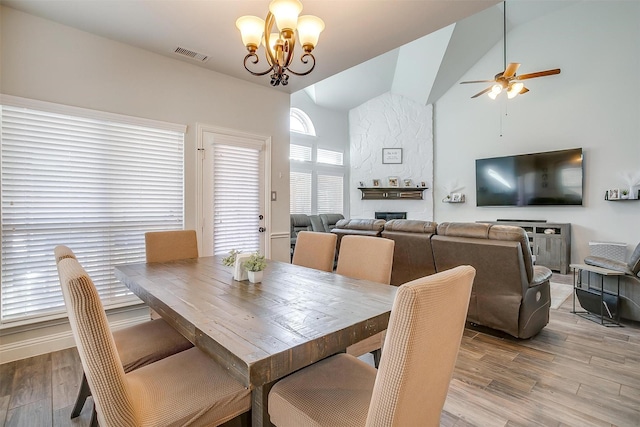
412,256
509,293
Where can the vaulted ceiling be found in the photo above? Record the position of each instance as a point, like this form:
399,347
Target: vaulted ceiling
367,48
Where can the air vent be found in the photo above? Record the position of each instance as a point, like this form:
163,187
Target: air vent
200,57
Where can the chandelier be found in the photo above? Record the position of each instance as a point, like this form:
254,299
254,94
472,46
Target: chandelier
280,46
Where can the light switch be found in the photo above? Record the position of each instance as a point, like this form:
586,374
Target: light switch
274,196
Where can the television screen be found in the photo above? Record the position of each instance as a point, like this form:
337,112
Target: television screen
549,178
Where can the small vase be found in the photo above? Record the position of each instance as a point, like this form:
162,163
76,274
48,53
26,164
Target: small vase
255,276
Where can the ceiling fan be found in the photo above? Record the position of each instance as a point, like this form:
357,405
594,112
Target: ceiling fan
508,79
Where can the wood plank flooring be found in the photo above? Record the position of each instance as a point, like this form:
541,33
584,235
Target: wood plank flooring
574,373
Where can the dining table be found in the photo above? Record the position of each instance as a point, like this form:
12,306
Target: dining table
261,332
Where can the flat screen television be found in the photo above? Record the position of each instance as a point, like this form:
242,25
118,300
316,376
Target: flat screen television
548,178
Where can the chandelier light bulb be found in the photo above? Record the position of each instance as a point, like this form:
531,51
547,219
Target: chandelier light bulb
251,30
286,13
309,29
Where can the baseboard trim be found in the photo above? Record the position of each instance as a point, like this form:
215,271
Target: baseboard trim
50,342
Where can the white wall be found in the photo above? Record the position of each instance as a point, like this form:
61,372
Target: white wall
594,104
47,61
391,121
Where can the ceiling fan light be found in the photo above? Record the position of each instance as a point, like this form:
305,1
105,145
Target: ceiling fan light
496,89
514,89
492,95
309,29
251,29
286,13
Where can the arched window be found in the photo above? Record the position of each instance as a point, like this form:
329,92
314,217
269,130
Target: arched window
300,122
316,173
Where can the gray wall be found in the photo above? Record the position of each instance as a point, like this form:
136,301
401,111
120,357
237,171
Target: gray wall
594,104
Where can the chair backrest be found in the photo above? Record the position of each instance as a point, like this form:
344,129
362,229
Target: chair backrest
329,221
366,257
163,246
100,359
315,250
420,349
61,252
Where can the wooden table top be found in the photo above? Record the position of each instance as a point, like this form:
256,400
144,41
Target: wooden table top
261,332
595,269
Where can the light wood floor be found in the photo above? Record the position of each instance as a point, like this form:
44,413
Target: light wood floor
574,373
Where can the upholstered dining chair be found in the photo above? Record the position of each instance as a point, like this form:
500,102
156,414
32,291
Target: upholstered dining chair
369,258
411,385
315,250
171,245
187,388
137,345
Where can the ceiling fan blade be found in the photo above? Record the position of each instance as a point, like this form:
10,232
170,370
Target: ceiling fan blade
478,81
511,69
538,74
481,93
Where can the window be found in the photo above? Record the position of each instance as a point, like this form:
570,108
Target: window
300,189
300,122
330,196
329,157
93,181
317,174
300,153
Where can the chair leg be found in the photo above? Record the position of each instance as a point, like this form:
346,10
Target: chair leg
376,357
83,393
94,417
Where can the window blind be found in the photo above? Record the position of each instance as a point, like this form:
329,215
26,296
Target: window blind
330,195
236,198
300,192
330,157
95,185
300,153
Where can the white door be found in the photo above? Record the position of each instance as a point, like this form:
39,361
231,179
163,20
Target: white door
234,181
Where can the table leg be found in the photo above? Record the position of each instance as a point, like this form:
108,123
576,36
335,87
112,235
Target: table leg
260,406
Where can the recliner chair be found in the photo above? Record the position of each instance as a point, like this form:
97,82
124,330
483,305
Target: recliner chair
509,292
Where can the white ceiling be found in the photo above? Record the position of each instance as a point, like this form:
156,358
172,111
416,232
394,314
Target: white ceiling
356,30
362,37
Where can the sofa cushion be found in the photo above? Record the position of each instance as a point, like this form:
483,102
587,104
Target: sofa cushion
316,223
466,229
410,226
515,234
361,224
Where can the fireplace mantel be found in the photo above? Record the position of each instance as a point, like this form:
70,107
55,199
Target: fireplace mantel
377,193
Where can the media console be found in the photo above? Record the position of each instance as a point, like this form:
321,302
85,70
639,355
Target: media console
550,243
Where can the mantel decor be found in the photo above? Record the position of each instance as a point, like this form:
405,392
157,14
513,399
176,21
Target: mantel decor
392,156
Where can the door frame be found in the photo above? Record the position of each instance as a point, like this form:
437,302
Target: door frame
201,128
